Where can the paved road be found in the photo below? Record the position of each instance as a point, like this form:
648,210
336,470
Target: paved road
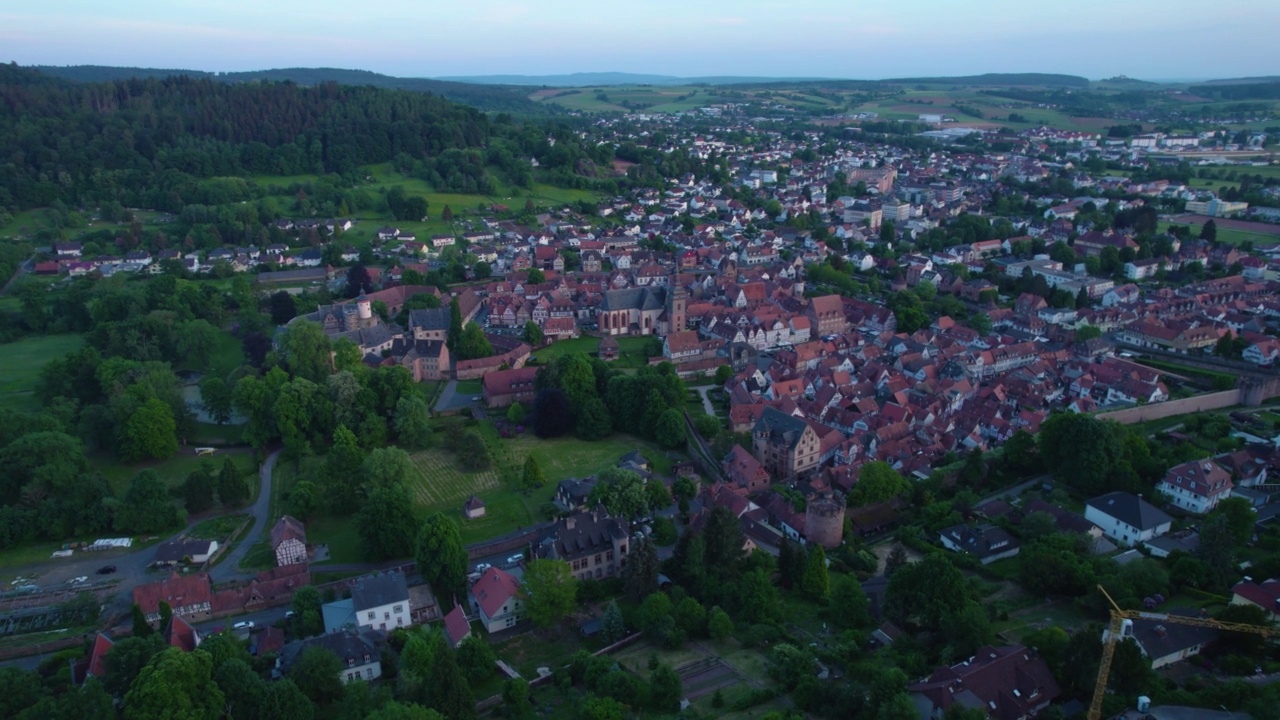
229,567
706,400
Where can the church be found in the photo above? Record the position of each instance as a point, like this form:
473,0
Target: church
646,310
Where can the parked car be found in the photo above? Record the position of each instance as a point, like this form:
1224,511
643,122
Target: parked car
243,625
106,569
288,614
515,558
482,567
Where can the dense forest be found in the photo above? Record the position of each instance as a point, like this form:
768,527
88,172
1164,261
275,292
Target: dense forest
497,98
183,145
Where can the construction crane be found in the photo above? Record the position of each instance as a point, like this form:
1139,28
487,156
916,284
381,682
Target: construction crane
1116,629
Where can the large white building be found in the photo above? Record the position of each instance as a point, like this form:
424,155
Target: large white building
1127,518
1197,486
496,598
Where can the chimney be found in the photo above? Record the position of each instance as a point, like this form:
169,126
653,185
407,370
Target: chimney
570,522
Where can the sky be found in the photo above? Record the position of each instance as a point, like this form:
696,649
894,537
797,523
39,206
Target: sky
861,39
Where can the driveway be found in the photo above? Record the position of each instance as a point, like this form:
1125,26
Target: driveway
706,400
228,567
450,399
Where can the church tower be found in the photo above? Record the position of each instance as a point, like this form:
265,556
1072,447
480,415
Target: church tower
677,300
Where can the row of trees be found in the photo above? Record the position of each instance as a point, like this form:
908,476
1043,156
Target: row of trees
584,394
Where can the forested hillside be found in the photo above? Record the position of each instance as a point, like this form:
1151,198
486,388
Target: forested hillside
496,98
167,143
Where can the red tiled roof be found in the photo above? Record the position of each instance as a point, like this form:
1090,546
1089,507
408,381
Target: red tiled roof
456,625
494,589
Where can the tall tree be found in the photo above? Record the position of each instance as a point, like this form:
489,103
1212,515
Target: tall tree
147,506
621,492
233,491
175,684
532,334
640,574
665,689
816,582
532,476
317,674
386,524
549,591
305,349
448,690
442,559
283,307
150,433
216,398
412,426
197,490
455,325
877,482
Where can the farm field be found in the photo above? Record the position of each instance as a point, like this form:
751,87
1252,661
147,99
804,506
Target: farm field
21,362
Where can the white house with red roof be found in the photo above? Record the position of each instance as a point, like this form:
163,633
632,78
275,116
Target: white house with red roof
1197,486
496,597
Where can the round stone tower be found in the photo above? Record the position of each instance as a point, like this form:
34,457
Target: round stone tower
824,521
364,307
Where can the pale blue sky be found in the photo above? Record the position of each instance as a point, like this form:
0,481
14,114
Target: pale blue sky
1154,39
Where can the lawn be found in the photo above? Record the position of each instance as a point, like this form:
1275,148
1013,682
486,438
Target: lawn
21,362
218,528
1229,235
441,485
633,351
532,650
174,470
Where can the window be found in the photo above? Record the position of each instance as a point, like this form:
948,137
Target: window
368,673
372,614
386,616
398,608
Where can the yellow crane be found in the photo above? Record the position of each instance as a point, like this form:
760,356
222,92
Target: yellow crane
1116,629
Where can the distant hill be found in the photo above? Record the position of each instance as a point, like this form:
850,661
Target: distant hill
1265,79
616,78
1046,79
483,97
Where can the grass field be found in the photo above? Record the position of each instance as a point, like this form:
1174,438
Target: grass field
1229,235
174,470
441,485
21,362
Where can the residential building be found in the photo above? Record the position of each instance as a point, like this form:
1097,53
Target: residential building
358,652
1008,683
496,598
785,445
456,627
593,543
1197,486
506,387
189,596
1166,642
289,541
194,552
1265,595
1127,518
988,543
379,601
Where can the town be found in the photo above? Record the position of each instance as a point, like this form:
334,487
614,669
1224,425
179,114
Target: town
855,416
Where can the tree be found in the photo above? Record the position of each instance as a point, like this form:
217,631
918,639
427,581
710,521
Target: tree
233,491
594,421
150,433
612,627
759,598
127,659
1088,332
1240,518
476,658
197,490
473,344
670,430
305,350
532,334
283,307
515,696
849,606
719,626
532,477
358,281
536,277
621,492
552,414
454,336
665,689
448,691
147,507
791,562
176,684
1055,565
215,398
412,422
1081,451
284,700
816,583
515,413
925,592
691,617
386,524
386,468
141,628
967,629
442,559
307,612
317,674
549,591
640,574
1209,231
473,453
877,482
446,214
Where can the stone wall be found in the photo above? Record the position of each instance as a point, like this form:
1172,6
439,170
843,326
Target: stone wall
1170,408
